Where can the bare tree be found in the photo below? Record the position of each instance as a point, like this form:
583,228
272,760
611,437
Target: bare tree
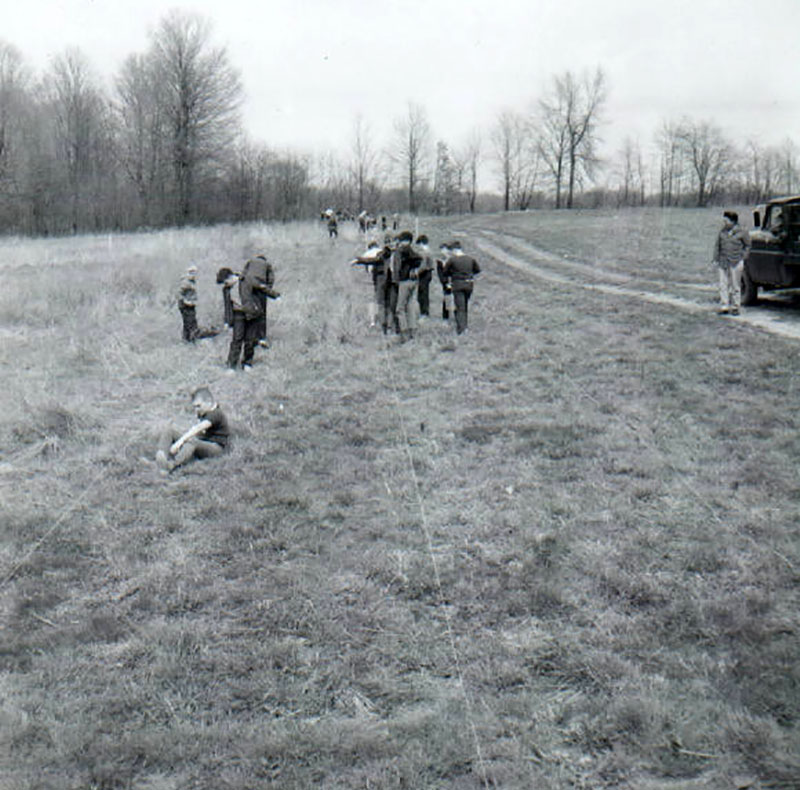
671,163
247,180
469,161
82,133
788,166
289,185
631,173
363,163
447,181
331,177
518,158
143,148
553,140
411,150
708,153
201,93
569,129
14,81
503,139
762,171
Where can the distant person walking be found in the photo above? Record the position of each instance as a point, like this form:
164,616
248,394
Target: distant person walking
461,270
333,227
730,251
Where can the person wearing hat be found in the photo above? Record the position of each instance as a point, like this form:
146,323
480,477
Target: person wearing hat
730,250
187,304
405,266
460,270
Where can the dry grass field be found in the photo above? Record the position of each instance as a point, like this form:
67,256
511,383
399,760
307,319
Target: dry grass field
559,552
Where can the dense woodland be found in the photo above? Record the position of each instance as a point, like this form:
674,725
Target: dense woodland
161,144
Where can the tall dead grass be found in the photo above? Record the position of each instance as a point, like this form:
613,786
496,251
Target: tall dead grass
616,562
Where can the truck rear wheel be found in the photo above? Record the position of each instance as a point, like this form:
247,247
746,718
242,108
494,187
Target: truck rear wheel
749,289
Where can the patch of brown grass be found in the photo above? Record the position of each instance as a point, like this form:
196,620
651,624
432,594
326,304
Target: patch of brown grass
541,555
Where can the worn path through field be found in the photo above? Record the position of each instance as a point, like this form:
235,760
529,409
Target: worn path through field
547,266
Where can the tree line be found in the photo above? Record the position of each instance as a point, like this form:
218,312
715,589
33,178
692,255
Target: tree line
164,146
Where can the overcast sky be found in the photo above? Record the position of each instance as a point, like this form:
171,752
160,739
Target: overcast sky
309,66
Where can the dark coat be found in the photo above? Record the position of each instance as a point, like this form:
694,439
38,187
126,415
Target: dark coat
255,285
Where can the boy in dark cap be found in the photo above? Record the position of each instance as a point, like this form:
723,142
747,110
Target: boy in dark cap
730,250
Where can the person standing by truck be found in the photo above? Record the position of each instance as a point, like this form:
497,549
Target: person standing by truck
730,250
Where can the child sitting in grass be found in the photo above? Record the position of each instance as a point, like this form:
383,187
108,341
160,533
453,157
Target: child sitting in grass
208,438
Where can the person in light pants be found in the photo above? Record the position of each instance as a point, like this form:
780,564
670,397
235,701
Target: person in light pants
730,251
405,265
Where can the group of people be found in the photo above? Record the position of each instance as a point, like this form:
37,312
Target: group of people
244,298
402,270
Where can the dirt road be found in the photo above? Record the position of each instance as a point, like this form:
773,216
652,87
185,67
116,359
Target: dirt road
778,314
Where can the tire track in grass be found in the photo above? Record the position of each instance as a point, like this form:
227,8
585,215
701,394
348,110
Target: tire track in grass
759,319
596,273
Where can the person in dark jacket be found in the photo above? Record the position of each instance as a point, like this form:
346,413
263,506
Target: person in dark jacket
255,286
425,273
227,279
730,250
447,291
405,265
461,270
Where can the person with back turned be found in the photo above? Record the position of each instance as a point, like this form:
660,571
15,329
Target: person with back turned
460,270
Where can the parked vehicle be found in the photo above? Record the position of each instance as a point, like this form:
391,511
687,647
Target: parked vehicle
774,259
